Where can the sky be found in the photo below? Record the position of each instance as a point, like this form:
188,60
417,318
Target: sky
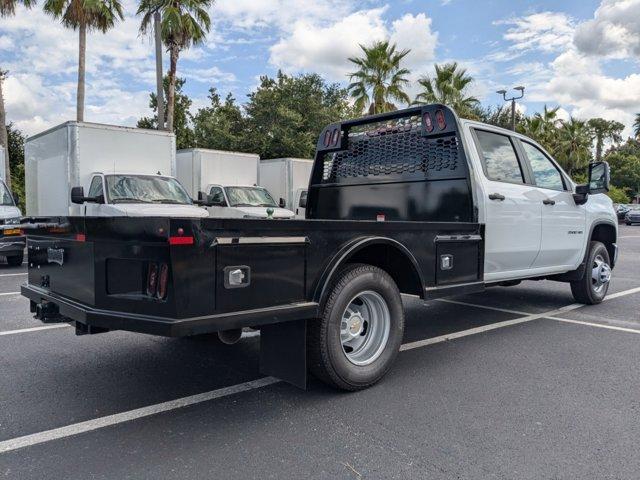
580,55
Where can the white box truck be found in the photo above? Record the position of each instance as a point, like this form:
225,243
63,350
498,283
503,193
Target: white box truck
80,168
227,183
288,179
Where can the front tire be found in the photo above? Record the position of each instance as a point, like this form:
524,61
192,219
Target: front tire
593,286
358,337
15,260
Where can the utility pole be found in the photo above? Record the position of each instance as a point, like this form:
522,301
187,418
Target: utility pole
513,104
157,19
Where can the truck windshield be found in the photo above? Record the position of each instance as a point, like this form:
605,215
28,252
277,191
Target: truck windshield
145,189
5,195
249,197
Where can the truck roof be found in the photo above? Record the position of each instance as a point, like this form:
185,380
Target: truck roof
225,152
73,123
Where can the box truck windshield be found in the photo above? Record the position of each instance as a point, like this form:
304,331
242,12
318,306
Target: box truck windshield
6,200
249,197
145,189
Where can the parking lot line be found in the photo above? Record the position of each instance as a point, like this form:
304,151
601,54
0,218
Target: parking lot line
97,423
486,307
12,274
597,325
10,293
33,329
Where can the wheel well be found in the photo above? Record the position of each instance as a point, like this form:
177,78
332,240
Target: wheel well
393,261
606,234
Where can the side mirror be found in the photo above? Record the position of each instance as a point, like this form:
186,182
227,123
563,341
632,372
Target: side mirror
282,203
204,200
303,202
581,195
77,195
599,177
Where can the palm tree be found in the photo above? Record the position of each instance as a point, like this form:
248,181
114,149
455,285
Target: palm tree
636,126
449,88
573,148
183,23
84,15
379,78
7,9
604,130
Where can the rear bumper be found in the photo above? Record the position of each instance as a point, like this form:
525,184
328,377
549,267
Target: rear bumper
12,245
169,327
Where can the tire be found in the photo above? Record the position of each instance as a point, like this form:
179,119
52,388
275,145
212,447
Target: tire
15,260
359,334
593,286
628,223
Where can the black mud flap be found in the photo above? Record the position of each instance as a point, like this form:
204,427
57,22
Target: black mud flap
283,352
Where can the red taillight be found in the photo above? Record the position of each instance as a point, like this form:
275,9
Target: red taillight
152,279
335,137
442,124
163,279
180,240
81,237
327,138
428,123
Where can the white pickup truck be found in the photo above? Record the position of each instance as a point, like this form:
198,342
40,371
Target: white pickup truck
414,201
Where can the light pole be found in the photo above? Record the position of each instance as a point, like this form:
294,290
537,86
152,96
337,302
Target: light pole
513,104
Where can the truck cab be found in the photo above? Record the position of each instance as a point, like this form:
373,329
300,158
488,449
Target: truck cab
12,241
135,195
537,223
242,201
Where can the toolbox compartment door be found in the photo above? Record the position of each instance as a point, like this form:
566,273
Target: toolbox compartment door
272,272
459,259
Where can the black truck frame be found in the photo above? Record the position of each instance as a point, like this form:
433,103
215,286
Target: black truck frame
390,191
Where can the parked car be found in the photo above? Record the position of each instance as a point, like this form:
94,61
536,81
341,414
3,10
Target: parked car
621,210
414,201
12,241
633,215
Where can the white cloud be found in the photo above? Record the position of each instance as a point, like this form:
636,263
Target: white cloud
545,31
614,31
208,75
325,48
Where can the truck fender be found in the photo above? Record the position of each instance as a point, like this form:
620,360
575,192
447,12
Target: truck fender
349,250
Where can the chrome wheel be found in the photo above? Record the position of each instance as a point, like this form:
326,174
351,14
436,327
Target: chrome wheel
600,274
364,328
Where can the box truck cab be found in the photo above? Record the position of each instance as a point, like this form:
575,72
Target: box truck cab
242,201
134,195
11,239
111,171
226,183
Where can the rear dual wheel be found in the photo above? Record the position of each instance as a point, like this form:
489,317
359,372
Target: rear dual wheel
356,340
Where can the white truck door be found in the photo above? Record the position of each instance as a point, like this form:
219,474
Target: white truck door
563,222
513,209
96,187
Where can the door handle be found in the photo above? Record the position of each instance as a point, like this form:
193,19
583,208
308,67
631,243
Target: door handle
548,201
496,196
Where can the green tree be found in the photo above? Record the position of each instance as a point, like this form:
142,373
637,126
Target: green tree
618,195
636,126
182,117
624,161
183,23
285,115
573,148
220,125
379,80
604,130
84,15
16,157
500,116
7,9
449,86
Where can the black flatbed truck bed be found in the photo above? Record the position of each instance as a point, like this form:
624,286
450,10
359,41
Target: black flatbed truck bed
386,192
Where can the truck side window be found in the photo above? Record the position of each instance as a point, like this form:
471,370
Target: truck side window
216,194
499,157
95,188
545,173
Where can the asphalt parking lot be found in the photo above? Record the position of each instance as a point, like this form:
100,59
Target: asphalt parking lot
514,383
